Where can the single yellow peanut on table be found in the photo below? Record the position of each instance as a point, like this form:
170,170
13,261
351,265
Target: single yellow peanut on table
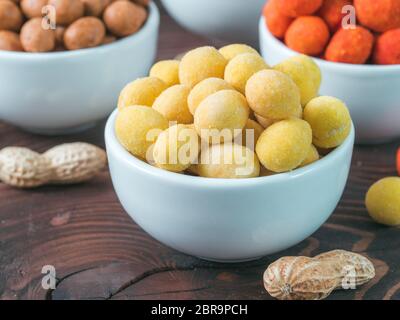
137,128
228,161
167,71
142,91
221,116
176,148
284,145
305,73
273,94
231,51
204,89
173,105
200,64
383,201
330,121
239,70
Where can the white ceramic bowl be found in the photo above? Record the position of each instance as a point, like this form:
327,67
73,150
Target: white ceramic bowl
371,92
62,92
228,220
230,20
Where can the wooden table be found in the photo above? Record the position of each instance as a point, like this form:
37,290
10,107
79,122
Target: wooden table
100,253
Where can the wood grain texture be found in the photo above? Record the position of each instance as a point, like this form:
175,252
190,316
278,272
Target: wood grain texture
100,253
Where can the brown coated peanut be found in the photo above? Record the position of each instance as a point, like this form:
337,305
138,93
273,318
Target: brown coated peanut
9,41
10,16
34,38
95,7
124,18
33,8
85,32
67,11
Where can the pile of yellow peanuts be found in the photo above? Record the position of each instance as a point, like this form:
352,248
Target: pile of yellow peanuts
203,106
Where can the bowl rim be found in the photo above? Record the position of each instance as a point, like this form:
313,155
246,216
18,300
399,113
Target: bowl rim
332,66
114,147
152,21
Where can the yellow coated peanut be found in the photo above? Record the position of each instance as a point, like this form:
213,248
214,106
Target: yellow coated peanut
311,157
231,51
273,94
240,69
284,145
383,201
142,91
167,71
204,89
251,133
330,121
229,161
172,104
305,73
200,64
176,148
137,128
221,116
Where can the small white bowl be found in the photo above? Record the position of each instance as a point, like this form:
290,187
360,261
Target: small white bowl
228,220
371,92
61,92
230,20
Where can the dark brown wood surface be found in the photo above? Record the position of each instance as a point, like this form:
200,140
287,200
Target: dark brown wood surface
100,253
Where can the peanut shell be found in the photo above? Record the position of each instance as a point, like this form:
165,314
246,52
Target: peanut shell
363,268
301,278
75,162
23,168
